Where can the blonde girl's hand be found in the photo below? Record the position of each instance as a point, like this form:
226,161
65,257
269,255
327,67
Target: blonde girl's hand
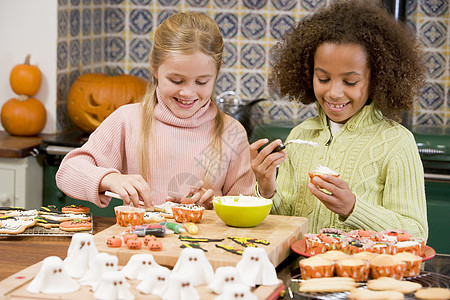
199,195
264,165
341,201
131,188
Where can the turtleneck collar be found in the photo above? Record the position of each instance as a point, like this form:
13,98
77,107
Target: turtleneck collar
205,114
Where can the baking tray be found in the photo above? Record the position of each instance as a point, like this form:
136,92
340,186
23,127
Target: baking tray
54,231
426,279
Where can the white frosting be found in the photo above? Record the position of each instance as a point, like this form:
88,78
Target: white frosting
255,268
223,277
406,244
242,200
325,170
193,264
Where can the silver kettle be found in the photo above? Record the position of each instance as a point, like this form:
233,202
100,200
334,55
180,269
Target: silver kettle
230,103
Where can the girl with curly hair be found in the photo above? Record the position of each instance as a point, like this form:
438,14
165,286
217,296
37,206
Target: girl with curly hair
362,69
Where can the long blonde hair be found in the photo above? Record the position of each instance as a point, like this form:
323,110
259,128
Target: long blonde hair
182,33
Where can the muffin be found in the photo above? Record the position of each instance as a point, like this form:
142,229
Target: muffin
355,268
332,238
129,215
412,263
352,245
385,265
316,267
414,245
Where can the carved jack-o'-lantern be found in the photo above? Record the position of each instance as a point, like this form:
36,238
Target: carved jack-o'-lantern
93,97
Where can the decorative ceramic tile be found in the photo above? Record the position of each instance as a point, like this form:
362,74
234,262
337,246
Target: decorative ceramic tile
197,3
97,35
433,33
226,81
432,96
253,26
226,3
229,56
435,64
86,25
115,21
140,49
141,21
74,23
228,24
280,25
285,5
434,8
252,56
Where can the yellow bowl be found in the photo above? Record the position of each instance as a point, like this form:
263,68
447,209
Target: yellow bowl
242,211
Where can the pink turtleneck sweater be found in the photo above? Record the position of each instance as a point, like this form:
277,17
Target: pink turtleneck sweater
177,155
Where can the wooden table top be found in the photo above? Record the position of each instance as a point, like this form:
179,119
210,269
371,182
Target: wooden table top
20,252
17,146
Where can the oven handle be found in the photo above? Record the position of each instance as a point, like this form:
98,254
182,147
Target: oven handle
58,150
442,177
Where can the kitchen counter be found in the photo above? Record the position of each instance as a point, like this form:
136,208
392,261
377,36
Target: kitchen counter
18,146
20,252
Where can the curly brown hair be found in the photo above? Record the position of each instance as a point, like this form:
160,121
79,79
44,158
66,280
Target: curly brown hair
394,57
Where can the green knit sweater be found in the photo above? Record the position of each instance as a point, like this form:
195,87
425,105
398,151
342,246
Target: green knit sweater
379,160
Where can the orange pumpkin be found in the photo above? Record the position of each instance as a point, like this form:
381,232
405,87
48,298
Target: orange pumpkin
114,242
134,244
93,97
25,79
23,116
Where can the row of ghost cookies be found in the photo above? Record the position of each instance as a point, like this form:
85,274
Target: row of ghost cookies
15,220
85,266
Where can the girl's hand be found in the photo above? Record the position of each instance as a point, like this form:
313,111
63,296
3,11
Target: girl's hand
131,188
341,201
199,194
264,165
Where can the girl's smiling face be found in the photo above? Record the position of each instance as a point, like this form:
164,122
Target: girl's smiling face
341,79
186,82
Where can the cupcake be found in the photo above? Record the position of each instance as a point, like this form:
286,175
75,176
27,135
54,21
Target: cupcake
383,248
314,245
129,215
321,170
385,265
355,268
412,263
316,267
365,255
414,245
332,237
334,255
188,213
352,245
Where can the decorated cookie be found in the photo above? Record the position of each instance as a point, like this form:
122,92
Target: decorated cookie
15,225
75,225
75,209
46,223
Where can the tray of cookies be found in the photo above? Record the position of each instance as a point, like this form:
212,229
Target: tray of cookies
45,221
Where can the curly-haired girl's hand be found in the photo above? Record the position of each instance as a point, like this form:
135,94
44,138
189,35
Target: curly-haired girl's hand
334,193
264,165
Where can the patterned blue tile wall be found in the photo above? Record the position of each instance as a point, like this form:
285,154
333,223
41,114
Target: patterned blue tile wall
100,35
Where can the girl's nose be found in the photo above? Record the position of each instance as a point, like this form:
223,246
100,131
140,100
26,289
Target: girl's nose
335,90
186,91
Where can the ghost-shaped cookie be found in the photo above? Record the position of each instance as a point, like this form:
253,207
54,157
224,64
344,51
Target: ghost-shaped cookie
223,277
80,255
155,281
138,264
194,264
237,291
180,287
103,262
255,268
113,286
52,278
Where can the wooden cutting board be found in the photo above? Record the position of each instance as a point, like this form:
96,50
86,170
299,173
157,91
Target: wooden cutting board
279,231
15,288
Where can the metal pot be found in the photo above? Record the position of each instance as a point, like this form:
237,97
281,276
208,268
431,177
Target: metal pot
230,103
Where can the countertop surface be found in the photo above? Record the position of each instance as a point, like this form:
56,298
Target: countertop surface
17,146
